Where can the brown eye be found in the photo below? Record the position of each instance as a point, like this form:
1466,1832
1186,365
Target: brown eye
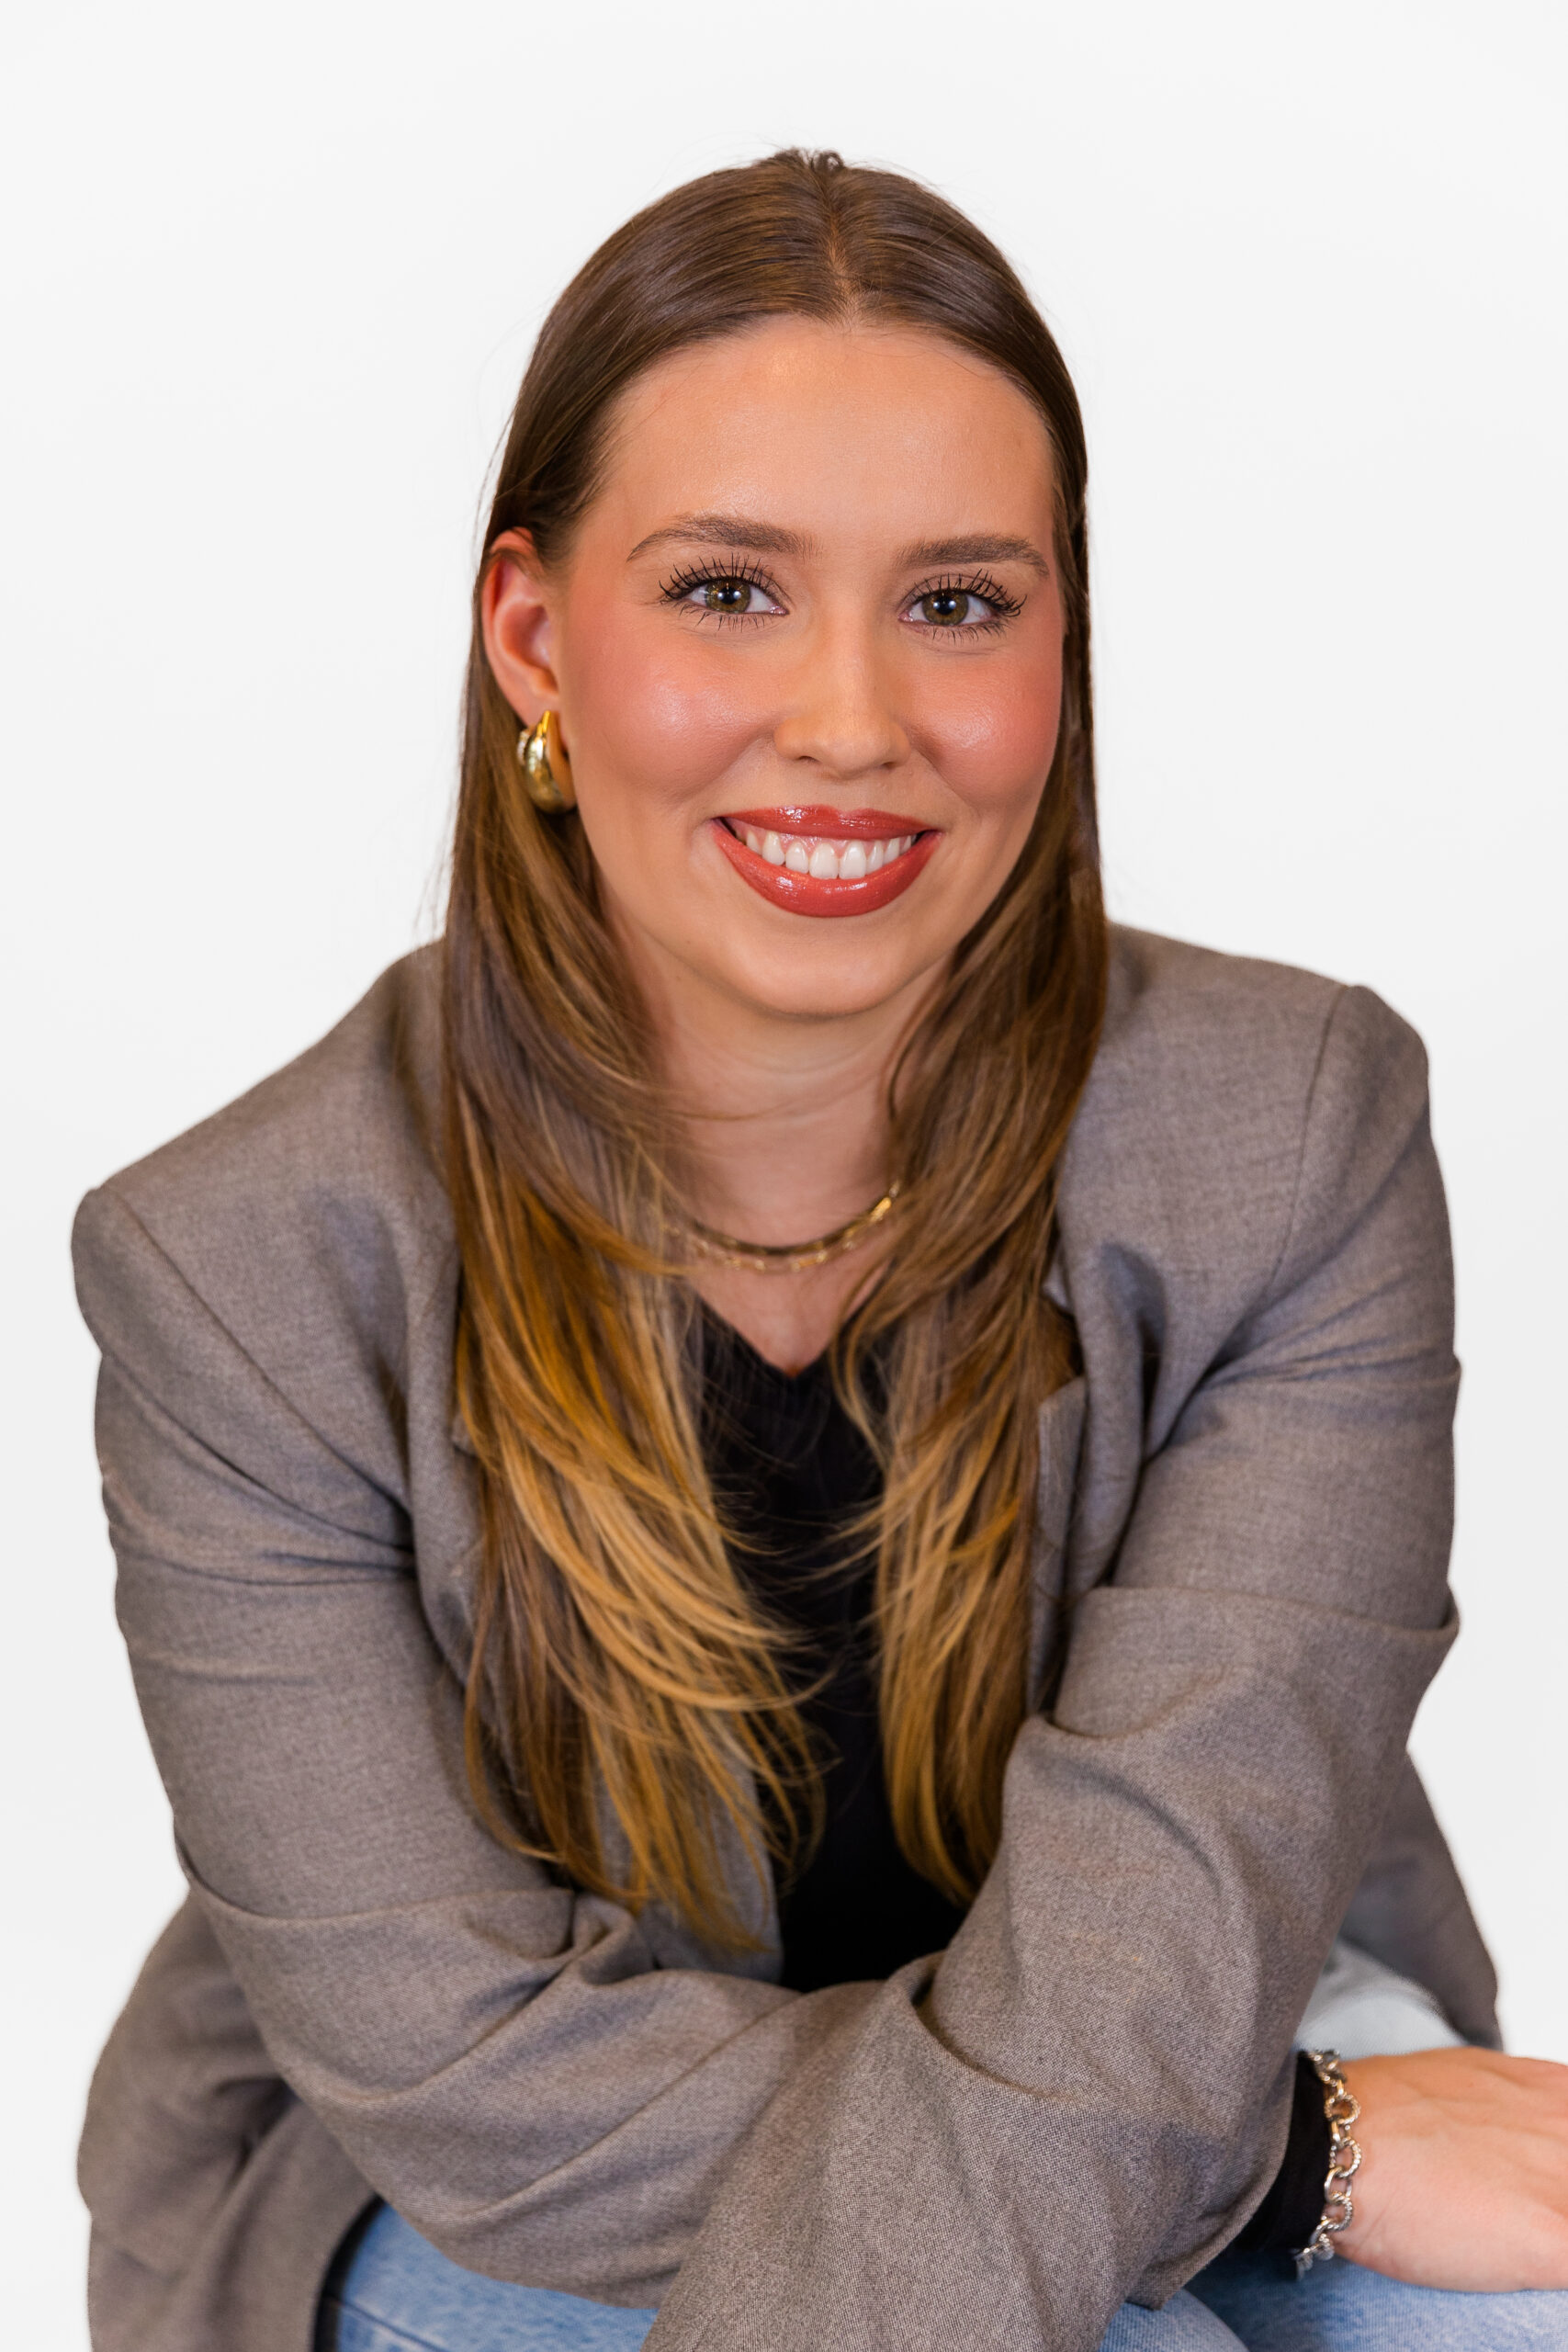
727,595
970,608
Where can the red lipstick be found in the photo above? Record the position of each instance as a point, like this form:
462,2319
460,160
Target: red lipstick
828,825
792,856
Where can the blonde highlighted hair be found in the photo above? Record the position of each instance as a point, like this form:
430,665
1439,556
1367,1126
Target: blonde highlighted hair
626,1697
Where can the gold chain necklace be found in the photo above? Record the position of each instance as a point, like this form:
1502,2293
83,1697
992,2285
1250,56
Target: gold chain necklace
790,1257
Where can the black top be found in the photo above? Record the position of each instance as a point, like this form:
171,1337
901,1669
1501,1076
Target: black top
792,1474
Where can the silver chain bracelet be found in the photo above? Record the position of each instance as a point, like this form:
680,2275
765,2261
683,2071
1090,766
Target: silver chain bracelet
1343,2108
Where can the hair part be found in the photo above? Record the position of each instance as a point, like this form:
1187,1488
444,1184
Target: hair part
627,1700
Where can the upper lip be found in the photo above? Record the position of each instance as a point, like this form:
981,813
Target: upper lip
832,824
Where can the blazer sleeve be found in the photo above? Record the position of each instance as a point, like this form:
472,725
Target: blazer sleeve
1090,2095
515,2067
1087,2096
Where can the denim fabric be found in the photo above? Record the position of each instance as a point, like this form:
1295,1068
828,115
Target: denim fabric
400,2295
394,2291
1339,2307
1363,2010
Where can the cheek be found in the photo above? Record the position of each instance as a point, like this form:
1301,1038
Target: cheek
653,721
993,748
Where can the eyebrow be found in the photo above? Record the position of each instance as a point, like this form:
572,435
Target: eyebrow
980,547
724,531
771,539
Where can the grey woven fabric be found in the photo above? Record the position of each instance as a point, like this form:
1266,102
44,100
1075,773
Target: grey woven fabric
1239,1598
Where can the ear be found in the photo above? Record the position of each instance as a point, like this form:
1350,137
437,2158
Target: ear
515,608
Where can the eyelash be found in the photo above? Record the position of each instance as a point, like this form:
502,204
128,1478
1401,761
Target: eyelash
683,582
1004,608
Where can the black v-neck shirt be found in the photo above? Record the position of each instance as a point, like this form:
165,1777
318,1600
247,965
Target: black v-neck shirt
792,1475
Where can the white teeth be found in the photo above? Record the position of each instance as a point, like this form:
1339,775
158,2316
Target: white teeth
824,861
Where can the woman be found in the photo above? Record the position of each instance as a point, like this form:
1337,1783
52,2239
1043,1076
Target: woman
781,1518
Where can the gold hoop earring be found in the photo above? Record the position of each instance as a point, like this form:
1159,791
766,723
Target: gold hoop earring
546,771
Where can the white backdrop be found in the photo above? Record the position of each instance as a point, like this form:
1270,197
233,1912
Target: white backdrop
276,272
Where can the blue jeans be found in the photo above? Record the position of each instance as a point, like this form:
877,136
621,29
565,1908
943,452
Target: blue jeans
397,2294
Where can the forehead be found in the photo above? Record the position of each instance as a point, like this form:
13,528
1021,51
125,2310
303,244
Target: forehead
835,431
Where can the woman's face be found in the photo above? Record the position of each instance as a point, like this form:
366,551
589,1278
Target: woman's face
806,655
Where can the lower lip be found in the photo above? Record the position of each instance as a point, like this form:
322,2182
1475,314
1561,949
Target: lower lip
803,894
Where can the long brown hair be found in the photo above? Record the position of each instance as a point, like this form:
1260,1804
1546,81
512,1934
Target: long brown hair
626,1697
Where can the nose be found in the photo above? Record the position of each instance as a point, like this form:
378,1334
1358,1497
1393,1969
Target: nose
841,719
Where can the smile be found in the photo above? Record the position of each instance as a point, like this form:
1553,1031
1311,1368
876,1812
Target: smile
824,861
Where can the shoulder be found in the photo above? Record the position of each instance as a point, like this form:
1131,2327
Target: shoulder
1242,1031
1235,1106
308,1219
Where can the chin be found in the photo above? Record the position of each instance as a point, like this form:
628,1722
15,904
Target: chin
817,987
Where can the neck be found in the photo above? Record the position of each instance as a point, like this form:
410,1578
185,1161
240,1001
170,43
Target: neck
786,1137
784,1120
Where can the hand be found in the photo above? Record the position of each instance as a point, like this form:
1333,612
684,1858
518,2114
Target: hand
1464,2170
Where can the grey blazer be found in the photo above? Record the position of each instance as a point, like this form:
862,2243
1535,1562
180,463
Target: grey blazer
1239,1598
